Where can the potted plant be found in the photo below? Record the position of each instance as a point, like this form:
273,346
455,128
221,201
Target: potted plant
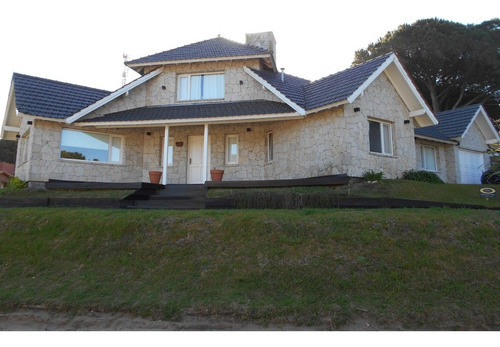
154,176
216,174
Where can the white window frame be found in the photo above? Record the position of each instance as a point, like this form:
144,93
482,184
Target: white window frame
110,147
422,157
227,150
384,151
189,86
270,146
171,144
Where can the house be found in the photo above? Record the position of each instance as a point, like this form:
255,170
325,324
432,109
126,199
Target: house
456,148
218,104
6,172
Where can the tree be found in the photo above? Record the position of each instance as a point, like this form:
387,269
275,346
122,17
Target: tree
452,64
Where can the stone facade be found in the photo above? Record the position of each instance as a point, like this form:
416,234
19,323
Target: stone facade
447,154
333,141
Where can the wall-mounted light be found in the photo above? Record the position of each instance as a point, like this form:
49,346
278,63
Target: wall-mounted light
148,133
249,129
18,136
179,144
407,121
241,82
163,87
357,109
29,122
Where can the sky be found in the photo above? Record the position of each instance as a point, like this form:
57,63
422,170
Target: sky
83,42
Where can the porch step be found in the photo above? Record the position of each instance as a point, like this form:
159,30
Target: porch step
173,196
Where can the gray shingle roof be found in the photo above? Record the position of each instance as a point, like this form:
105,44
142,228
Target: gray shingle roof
292,87
187,111
452,123
327,90
48,98
214,48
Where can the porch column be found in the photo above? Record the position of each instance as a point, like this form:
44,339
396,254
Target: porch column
165,157
205,153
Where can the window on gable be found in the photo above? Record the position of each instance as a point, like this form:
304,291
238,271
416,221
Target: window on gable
87,146
428,156
200,87
380,137
232,149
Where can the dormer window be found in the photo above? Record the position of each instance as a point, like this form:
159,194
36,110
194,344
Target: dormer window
200,87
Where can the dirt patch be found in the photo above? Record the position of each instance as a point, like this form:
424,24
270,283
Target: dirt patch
41,320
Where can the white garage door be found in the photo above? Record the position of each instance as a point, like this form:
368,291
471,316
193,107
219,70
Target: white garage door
471,167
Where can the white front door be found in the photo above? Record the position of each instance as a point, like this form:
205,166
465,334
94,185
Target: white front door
196,163
471,167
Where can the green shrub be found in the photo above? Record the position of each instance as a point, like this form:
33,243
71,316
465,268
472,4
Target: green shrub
16,183
422,176
371,176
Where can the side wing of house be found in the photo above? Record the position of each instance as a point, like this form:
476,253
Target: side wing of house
456,148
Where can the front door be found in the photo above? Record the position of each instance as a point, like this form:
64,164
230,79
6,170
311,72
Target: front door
196,160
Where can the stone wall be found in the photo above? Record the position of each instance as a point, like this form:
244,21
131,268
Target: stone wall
444,160
44,162
162,89
380,101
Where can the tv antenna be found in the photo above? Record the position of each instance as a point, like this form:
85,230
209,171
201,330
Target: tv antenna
124,73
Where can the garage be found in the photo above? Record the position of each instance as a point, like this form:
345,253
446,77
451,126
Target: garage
471,166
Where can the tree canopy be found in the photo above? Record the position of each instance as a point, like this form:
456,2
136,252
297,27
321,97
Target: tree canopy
452,64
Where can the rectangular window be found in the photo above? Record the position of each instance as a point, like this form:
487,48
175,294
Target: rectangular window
380,137
25,148
170,155
80,145
232,155
428,155
200,87
270,146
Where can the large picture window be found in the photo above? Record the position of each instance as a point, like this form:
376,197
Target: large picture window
95,147
428,155
380,137
200,87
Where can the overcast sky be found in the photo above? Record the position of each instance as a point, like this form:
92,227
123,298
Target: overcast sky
83,42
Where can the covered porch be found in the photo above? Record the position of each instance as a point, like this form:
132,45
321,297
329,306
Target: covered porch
184,142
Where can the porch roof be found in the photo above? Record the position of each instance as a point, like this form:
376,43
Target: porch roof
197,111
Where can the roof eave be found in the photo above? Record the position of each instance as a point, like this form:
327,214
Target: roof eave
200,60
194,121
430,138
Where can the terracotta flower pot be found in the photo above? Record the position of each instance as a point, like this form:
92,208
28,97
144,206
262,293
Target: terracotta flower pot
154,176
217,175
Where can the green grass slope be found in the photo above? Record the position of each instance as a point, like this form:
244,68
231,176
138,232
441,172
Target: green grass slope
419,269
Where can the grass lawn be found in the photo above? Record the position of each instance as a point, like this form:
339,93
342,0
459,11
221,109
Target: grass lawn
421,269
401,189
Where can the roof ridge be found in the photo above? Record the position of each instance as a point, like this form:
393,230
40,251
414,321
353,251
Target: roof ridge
60,82
353,67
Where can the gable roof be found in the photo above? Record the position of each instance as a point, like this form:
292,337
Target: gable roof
218,47
197,112
342,85
345,86
454,124
48,98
